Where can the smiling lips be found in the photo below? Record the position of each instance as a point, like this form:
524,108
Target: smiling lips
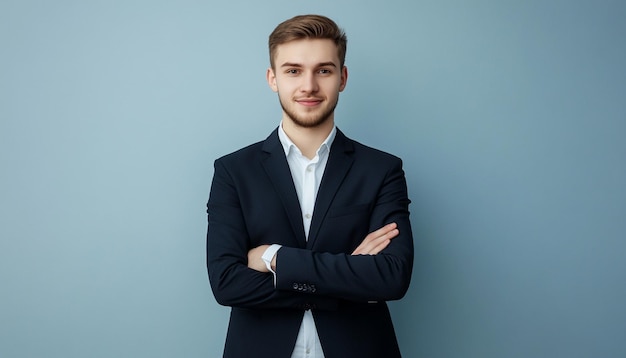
309,102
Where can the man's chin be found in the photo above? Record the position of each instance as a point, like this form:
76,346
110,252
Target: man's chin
309,122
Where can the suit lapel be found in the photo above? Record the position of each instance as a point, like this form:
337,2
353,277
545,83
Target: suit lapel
277,169
339,163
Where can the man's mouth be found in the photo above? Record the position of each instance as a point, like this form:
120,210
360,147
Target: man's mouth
309,102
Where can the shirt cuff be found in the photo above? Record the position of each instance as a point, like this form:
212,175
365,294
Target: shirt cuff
267,257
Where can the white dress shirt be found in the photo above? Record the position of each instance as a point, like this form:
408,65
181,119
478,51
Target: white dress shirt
307,175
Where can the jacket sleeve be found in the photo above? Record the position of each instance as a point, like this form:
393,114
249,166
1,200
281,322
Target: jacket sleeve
228,243
360,278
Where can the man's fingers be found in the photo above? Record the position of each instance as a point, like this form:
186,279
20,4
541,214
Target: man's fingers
380,247
377,240
380,243
384,230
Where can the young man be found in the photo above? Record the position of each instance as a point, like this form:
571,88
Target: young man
309,231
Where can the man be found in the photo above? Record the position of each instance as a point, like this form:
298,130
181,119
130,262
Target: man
309,231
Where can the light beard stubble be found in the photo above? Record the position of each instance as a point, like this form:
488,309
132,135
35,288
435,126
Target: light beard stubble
315,122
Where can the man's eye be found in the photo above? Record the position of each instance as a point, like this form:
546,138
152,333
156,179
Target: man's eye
324,71
292,71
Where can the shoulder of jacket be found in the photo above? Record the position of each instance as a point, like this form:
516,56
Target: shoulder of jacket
242,153
373,153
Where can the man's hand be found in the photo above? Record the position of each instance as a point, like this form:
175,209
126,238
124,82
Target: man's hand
376,241
255,260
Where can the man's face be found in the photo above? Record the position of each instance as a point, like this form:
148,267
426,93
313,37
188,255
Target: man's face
308,79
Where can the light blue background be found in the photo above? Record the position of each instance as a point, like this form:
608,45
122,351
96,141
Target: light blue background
510,116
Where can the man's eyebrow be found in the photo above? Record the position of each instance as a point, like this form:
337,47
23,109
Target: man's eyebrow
325,64
290,64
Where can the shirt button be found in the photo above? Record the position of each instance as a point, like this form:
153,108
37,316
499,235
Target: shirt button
307,216
309,169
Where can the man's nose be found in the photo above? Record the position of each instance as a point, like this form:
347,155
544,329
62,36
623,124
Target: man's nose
309,83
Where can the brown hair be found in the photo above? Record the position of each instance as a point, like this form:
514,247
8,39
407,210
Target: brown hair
308,27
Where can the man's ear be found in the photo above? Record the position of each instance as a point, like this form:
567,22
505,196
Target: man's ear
344,78
271,79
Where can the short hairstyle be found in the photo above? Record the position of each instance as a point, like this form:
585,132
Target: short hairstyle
308,27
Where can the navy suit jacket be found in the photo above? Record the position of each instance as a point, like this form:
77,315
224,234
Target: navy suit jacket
253,202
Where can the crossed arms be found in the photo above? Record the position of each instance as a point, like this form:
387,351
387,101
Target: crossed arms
373,243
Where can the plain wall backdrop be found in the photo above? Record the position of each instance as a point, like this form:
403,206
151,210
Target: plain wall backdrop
510,117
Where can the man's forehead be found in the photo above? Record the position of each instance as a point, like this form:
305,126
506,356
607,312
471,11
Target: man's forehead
307,52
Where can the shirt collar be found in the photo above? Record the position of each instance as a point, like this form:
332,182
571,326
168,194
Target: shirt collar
288,145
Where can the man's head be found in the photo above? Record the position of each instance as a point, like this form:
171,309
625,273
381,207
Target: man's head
308,27
307,72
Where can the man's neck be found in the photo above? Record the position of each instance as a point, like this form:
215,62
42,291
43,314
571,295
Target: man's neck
308,140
